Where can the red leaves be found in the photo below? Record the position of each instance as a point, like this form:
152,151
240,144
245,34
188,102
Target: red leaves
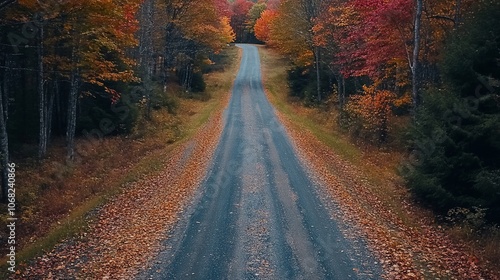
380,36
241,7
223,8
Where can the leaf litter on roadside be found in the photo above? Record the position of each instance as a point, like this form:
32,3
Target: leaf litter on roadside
418,249
126,233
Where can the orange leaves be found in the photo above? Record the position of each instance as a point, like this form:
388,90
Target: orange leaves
203,24
291,34
87,37
263,25
227,32
373,104
373,108
99,33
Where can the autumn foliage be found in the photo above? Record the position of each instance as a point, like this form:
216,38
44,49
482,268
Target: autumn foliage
377,70
362,43
95,68
373,109
262,26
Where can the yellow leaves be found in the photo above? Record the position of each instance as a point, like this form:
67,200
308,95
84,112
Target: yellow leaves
227,32
291,34
202,24
373,107
404,101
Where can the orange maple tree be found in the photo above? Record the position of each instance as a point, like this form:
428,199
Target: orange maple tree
263,25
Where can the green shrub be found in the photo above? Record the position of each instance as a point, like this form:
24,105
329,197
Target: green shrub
197,82
302,84
98,113
456,135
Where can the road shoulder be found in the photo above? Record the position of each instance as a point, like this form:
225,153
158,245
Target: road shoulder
128,230
407,242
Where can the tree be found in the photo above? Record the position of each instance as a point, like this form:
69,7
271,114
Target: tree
93,34
4,141
330,31
194,29
292,34
416,51
254,14
374,109
455,136
263,25
240,9
147,17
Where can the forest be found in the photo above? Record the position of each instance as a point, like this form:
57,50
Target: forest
92,69
419,78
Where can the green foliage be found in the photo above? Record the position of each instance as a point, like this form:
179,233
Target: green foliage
474,50
302,84
473,218
298,79
456,134
161,100
197,82
254,14
99,113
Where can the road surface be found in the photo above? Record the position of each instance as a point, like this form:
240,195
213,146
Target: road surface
258,215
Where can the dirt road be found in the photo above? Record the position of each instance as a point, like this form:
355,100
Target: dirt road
258,215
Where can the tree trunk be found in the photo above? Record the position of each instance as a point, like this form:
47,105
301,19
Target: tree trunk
4,144
343,88
416,50
340,89
59,111
42,99
458,14
147,54
71,121
50,112
318,77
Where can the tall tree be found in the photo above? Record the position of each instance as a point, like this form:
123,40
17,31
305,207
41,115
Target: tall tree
416,51
292,33
146,50
254,14
4,138
240,9
97,35
263,25
42,102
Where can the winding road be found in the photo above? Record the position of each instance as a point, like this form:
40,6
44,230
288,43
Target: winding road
258,215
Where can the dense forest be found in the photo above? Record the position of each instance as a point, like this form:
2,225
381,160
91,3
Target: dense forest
418,76
91,69
422,74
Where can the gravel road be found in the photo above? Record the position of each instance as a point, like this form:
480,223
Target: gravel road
258,214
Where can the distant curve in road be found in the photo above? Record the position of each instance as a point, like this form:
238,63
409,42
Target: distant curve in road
258,216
